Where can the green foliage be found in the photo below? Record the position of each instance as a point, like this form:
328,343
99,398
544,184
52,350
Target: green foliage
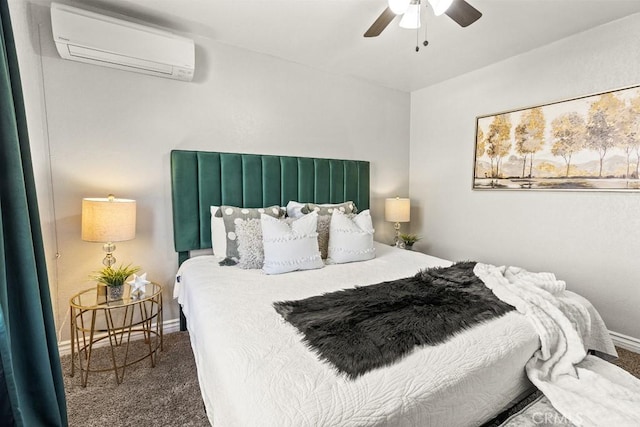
114,276
409,239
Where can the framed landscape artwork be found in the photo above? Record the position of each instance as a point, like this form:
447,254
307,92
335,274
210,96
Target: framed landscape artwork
587,143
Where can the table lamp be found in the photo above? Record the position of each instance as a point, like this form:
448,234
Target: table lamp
108,220
397,210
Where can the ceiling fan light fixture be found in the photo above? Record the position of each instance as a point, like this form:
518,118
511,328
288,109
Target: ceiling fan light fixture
440,6
411,18
399,6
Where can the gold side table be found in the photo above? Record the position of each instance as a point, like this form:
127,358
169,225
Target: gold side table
93,320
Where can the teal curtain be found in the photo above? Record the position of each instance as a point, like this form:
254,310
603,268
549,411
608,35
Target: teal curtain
31,385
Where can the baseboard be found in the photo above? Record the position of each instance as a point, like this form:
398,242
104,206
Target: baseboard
168,326
625,341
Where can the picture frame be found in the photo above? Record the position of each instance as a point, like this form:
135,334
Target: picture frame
589,143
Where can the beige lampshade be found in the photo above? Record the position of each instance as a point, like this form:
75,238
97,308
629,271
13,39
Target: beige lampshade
397,209
108,219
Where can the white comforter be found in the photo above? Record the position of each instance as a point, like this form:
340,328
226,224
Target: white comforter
254,369
585,389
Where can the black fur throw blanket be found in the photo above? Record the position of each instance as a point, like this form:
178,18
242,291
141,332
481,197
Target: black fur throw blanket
368,327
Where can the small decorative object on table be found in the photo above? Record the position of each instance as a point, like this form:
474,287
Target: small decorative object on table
408,240
138,285
114,278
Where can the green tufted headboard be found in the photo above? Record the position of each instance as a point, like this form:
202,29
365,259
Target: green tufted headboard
201,179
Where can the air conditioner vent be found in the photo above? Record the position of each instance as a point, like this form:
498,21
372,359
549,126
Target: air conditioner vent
85,36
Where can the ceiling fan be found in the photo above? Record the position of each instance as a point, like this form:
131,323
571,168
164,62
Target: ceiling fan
459,10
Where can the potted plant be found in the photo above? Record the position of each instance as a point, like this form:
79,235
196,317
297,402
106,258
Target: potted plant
114,279
409,240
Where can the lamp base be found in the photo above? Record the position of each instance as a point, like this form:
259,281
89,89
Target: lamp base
398,242
109,259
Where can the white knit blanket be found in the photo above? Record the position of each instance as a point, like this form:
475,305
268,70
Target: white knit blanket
587,390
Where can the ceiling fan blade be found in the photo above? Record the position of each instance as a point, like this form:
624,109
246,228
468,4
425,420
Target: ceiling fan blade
463,13
380,24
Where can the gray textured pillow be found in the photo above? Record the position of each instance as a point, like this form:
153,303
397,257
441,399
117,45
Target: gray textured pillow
250,246
232,215
327,209
324,222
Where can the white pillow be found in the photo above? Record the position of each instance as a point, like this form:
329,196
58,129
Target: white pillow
350,239
218,234
290,247
294,209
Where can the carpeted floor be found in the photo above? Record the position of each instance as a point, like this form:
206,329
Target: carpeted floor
167,395
629,361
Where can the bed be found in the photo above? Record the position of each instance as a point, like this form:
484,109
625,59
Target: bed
253,367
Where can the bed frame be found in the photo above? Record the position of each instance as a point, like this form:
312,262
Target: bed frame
200,179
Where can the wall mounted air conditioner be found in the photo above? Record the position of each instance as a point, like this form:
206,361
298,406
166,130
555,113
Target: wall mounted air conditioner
85,36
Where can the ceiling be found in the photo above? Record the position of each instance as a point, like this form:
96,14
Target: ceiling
327,34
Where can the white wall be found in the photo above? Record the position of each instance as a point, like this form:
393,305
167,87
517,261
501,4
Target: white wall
111,131
26,36
589,239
